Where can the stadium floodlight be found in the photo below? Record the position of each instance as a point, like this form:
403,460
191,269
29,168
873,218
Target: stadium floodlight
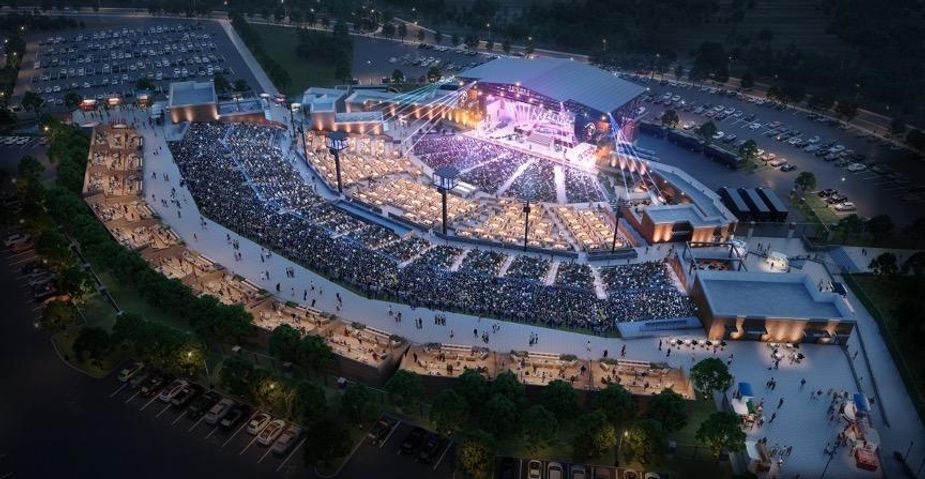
337,142
445,179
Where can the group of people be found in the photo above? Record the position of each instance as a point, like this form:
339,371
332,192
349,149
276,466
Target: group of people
242,177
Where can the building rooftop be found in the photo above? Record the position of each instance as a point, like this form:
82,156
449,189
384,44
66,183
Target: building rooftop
706,207
317,99
560,79
192,93
769,295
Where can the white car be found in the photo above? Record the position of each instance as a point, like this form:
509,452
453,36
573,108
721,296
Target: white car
271,432
718,135
218,411
857,167
554,471
130,371
846,206
778,162
534,469
15,239
258,422
172,390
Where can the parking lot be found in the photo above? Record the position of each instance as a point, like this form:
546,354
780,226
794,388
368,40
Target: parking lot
384,456
108,59
376,58
515,468
874,176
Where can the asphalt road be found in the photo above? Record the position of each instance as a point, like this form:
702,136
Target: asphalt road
872,193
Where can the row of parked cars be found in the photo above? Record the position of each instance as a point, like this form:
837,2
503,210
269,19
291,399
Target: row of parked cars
223,412
536,469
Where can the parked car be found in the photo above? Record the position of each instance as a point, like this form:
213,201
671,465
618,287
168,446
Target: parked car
432,446
16,238
554,471
412,440
258,422
172,389
534,469
788,167
846,206
235,416
219,410
381,430
857,167
578,472
186,395
778,162
827,192
288,439
836,199
153,384
271,432
202,404
130,371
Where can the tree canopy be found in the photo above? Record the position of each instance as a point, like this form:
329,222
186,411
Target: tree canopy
711,375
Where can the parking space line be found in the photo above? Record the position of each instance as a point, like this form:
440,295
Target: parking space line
239,430
132,397
248,445
148,403
178,417
163,410
387,436
299,446
264,455
196,423
117,391
211,432
447,448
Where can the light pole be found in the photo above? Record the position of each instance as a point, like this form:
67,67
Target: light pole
620,446
526,222
337,142
616,225
445,178
189,355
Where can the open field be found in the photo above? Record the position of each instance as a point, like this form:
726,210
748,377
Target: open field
281,43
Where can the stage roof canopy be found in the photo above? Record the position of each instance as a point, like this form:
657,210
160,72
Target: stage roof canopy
560,79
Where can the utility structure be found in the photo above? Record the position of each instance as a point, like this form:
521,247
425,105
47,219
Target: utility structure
526,222
617,212
337,142
445,179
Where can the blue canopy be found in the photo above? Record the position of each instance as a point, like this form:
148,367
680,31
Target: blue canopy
861,402
745,389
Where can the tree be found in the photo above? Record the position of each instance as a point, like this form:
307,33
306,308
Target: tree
72,99
850,226
915,264
748,80
284,343
126,328
507,385
358,404
529,47
721,431
489,44
916,139
421,35
616,403
500,416
879,227
644,441
749,151
679,70
398,76
388,30
221,83
706,131
314,354
405,389
449,412
328,441
241,85
92,343
540,427
898,127
433,74
669,409
884,265
472,386
593,435
475,455
847,109
438,37
560,398
454,39
310,401
57,316
506,46
821,100
805,181
670,119
402,31
711,375
31,101
235,376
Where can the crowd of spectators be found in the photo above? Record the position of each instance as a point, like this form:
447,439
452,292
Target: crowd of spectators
581,187
241,178
536,183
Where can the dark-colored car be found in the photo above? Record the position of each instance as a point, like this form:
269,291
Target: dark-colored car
381,430
412,441
507,469
827,192
203,403
432,447
788,167
153,385
234,417
186,395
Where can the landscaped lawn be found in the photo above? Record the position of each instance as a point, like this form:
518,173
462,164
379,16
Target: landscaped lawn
128,299
281,43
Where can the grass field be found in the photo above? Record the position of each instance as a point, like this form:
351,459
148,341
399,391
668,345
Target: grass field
884,294
129,300
280,42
